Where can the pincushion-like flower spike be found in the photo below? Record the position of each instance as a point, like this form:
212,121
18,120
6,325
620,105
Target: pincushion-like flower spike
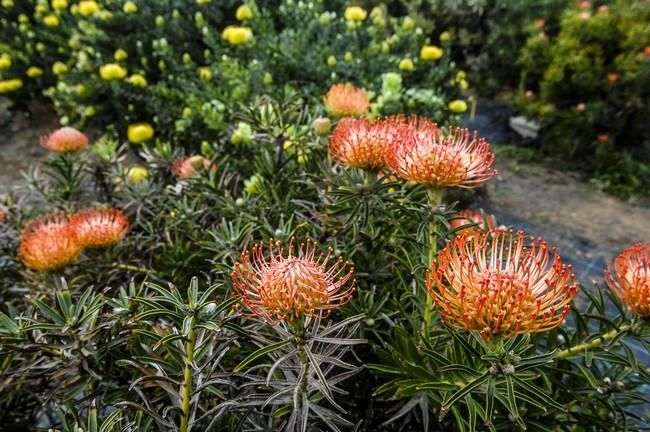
101,227
65,140
49,243
630,278
343,100
184,168
361,143
500,284
484,222
439,157
286,284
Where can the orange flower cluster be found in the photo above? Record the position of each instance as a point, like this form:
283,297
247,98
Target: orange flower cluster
632,280
49,243
500,285
415,149
484,222
343,100
441,157
98,228
185,168
65,140
287,286
361,143
55,240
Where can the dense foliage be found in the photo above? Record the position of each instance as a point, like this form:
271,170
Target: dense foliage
178,267
587,82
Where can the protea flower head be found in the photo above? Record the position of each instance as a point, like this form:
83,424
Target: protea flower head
184,168
440,157
361,143
49,243
500,284
287,284
485,222
343,100
100,227
629,278
65,140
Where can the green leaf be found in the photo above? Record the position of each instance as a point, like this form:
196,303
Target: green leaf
471,386
261,352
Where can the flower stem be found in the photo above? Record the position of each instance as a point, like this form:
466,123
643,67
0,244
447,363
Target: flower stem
186,389
595,343
435,199
304,362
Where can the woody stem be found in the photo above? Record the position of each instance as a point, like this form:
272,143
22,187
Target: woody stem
435,199
595,343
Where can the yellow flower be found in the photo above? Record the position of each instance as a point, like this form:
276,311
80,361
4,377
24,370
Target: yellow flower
137,173
88,7
348,57
237,35
5,61
461,75
355,13
34,72
130,7
51,20
23,19
120,55
202,2
112,71
445,36
244,13
59,68
408,24
458,106
90,111
205,73
59,4
406,65
10,85
430,52
137,80
463,84
331,61
139,132
7,4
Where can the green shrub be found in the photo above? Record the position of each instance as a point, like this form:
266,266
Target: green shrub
589,86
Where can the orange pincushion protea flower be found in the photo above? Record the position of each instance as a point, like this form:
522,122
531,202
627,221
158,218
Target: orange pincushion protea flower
65,140
49,243
437,157
361,143
500,285
101,227
632,281
286,285
485,222
184,168
344,100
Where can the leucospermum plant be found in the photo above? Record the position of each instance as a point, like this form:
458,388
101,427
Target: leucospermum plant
293,291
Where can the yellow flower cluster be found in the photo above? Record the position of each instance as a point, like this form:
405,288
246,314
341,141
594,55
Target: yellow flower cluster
5,61
34,72
10,85
237,35
112,71
430,52
88,7
139,132
244,13
355,13
59,4
457,106
137,80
